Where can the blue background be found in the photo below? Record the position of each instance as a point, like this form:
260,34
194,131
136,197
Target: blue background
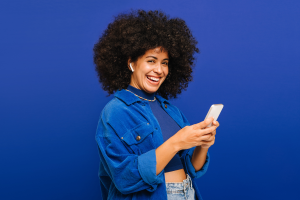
50,98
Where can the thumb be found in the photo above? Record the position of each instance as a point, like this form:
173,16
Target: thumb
204,123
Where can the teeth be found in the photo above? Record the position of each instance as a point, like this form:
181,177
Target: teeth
153,79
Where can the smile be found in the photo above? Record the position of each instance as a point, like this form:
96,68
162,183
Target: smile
153,79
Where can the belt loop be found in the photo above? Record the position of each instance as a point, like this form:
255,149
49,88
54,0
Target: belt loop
184,190
190,181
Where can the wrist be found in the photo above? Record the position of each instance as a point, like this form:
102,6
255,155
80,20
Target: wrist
204,147
175,144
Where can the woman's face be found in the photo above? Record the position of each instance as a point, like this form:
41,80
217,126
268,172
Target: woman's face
150,70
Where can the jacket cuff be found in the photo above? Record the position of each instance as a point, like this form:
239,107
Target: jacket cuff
147,170
191,170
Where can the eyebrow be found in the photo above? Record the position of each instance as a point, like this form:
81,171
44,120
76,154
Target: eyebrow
156,58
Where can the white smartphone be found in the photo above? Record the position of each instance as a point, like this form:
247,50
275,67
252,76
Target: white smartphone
214,111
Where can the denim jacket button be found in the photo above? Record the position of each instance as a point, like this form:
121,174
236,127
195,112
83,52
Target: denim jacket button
166,106
138,138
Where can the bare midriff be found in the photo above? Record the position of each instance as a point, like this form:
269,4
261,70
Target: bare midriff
175,176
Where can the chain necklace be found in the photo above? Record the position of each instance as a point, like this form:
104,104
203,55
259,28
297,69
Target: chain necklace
140,96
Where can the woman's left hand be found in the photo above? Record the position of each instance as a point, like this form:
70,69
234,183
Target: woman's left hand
211,140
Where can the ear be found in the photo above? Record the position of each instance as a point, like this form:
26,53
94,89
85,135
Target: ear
128,63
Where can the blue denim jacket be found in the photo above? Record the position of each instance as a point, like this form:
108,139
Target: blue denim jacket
128,162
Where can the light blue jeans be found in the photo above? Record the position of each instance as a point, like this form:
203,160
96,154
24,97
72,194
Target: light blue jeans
181,191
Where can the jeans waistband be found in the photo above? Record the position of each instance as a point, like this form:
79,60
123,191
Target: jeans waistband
179,187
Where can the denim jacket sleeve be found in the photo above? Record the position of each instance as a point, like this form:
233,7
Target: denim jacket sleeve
129,171
186,157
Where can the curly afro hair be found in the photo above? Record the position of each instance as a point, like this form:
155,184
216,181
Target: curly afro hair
130,35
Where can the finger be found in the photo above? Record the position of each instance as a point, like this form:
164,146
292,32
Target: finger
208,143
205,137
214,132
208,130
216,123
210,135
209,139
204,123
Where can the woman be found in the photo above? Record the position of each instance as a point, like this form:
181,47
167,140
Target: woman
147,148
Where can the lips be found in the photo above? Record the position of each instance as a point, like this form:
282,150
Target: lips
154,79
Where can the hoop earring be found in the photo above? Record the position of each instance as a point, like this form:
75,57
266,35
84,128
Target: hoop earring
131,67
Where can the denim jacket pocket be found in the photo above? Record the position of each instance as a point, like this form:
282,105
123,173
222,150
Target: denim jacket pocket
140,137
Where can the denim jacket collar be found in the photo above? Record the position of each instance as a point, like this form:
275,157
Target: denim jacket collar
130,98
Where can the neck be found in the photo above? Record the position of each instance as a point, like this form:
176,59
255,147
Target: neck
141,93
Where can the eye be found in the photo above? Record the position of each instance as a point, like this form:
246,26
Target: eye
166,63
151,61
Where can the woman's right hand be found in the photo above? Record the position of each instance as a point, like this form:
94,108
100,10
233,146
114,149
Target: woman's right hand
194,135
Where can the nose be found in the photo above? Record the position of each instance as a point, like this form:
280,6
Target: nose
158,69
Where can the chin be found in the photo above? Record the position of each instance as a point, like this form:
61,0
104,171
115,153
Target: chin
151,89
